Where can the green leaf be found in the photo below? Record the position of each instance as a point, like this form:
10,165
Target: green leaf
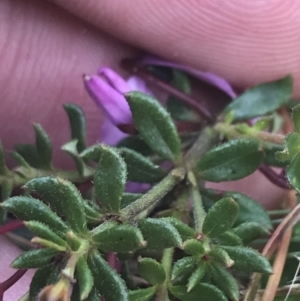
78,124
230,161
29,153
270,155
208,292
92,212
185,231
3,168
43,231
220,256
152,271
93,296
128,198
250,231
92,153
64,197
19,159
111,237
197,275
193,247
292,142
293,174
247,259
110,179
43,146
6,190
140,168
220,217
84,277
262,99
296,117
108,282
45,275
159,234
185,265
229,238
225,281
33,258
137,144
155,126
28,209
250,210
144,294
71,149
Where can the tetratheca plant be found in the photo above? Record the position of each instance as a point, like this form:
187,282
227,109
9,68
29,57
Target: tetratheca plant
176,240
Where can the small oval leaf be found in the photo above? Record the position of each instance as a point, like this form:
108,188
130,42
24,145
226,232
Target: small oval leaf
110,179
225,281
220,256
197,275
247,259
232,160
28,209
262,99
185,265
140,168
84,277
111,237
159,233
33,259
107,281
64,197
220,217
155,126
250,231
193,247
152,271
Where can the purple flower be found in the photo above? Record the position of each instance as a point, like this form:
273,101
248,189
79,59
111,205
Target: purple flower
207,77
107,89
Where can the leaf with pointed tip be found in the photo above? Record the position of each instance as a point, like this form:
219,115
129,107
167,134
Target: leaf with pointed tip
110,179
220,217
19,159
28,209
140,168
225,281
78,124
232,160
44,232
152,271
64,197
247,259
144,294
43,146
197,275
159,234
155,126
110,285
256,101
33,258
208,292
111,237
84,277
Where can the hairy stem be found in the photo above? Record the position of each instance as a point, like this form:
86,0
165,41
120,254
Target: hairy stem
154,195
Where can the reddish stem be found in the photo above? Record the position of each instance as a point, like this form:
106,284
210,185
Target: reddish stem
4,286
275,178
11,226
130,66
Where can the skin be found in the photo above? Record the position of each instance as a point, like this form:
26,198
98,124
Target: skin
45,47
